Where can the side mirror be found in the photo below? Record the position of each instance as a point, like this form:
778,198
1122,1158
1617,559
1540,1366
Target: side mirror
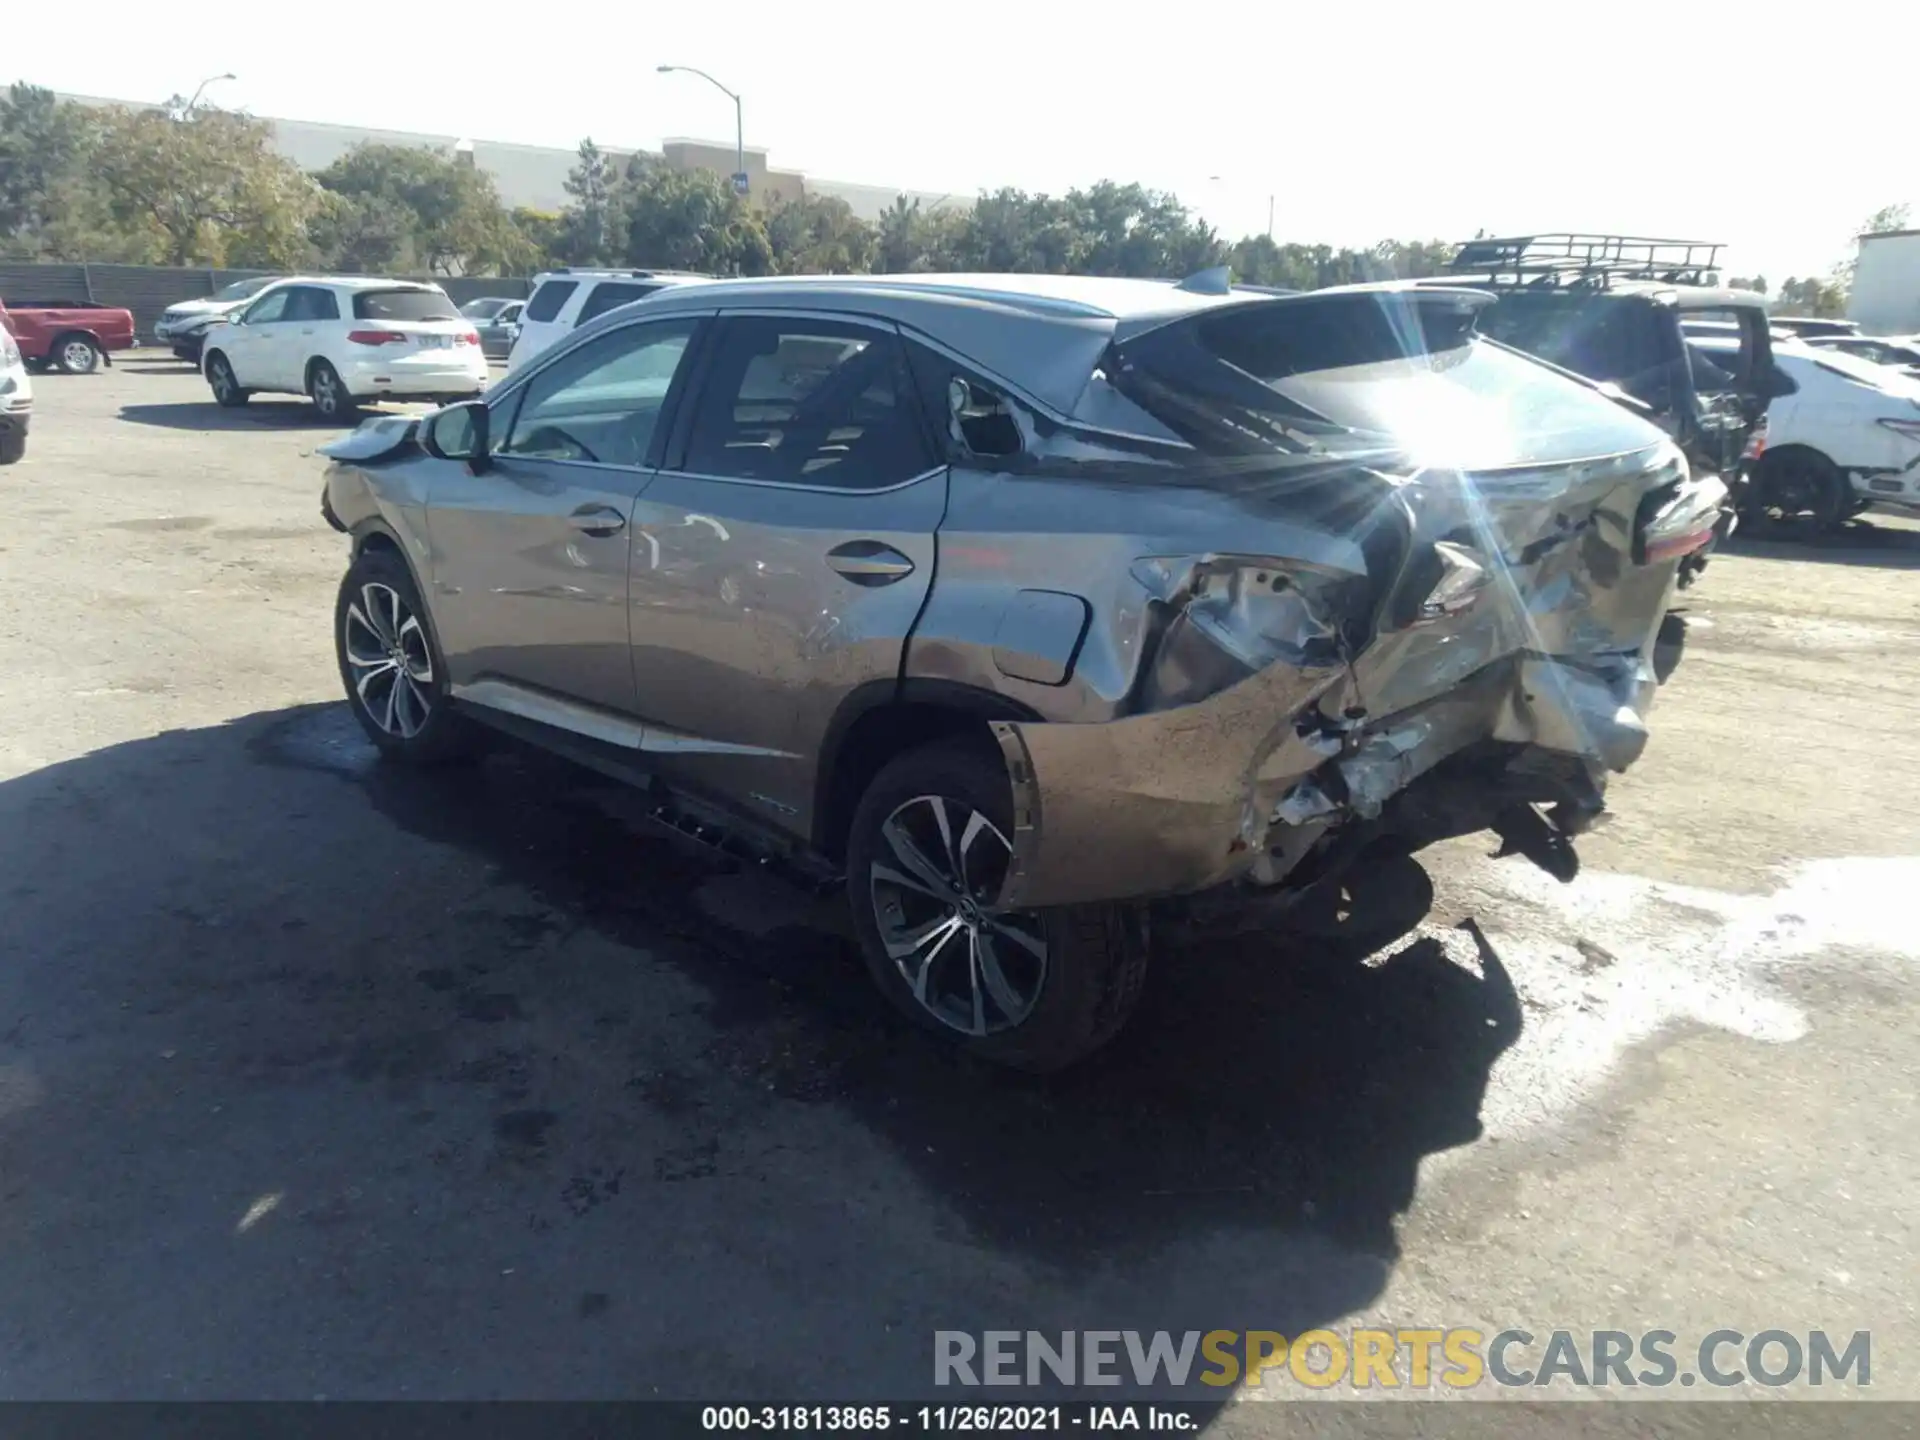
459,432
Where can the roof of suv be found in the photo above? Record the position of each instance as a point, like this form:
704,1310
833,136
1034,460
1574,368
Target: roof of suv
1042,333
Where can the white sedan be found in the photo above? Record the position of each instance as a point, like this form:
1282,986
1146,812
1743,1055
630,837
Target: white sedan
343,343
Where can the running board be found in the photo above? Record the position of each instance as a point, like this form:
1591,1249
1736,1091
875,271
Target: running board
704,828
606,726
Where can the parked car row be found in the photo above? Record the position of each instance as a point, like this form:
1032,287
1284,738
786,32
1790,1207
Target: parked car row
344,343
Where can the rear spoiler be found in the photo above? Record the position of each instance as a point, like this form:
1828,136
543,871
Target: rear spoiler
381,435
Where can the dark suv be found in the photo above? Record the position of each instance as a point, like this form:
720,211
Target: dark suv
1612,307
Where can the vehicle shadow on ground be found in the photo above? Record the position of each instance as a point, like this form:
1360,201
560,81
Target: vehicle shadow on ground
1890,546
613,1007
254,415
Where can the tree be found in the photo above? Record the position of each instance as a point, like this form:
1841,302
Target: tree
205,190
1757,284
593,226
1811,296
44,144
692,220
448,211
819,235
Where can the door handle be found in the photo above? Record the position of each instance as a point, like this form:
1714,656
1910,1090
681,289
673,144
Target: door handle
868,562
597,520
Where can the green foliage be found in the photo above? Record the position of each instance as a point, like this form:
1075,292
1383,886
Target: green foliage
447,210
592,227
205,189
203,186
1811,296
819,235
692,220
44,146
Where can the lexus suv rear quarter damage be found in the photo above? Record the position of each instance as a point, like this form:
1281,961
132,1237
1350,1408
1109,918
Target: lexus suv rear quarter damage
1024,603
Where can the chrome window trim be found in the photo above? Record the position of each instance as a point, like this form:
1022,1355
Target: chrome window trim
922,477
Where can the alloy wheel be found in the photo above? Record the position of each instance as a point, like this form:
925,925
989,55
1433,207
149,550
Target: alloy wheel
326,391
972,966
222,378
76,356
392,667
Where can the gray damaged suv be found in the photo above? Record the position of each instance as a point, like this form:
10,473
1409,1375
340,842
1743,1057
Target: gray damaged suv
1022,602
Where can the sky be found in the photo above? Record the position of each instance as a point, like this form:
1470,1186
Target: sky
1362,121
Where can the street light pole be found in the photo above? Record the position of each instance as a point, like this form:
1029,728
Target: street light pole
201,87
739,125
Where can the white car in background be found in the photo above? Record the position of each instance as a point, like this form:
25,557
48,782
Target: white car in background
16,399
183,328
564,299
343,343
1845,440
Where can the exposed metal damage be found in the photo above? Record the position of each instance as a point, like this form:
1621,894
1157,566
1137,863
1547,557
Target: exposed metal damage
1492,681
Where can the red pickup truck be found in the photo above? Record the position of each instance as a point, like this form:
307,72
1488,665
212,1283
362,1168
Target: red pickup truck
74,337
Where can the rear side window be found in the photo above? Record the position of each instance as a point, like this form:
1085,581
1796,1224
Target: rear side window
548,299
808,402
611,296
1363,373
403,305
308,303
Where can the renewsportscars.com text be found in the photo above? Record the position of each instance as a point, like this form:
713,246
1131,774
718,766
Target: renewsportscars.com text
1418,1359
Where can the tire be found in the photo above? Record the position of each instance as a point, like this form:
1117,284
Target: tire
1800,489
13,448
411,720
328,391
226,389
76,355
1051,1006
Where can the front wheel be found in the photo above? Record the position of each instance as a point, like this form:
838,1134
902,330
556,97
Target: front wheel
390,665
222,381
328,391
1800,488
76,354
926,858
13,448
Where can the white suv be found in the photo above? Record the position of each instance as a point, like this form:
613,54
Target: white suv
562,299
344,342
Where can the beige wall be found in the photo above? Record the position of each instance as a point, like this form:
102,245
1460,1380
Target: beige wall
764,185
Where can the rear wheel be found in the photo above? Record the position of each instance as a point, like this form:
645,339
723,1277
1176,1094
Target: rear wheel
76,354
13,447
927,856
220,379
328,391
390,664
1798,489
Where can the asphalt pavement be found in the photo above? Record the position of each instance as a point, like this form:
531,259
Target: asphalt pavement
317,1078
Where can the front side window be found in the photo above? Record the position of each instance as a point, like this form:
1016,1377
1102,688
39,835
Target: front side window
808,402
601,403
269,308
548,299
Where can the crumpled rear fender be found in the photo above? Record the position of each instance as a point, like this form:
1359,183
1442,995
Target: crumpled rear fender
1162,803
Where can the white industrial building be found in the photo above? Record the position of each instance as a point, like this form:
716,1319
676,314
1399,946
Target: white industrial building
535,175
1886,284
